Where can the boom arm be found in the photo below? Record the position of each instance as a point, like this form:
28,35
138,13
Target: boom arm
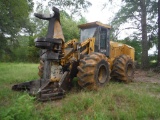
75,51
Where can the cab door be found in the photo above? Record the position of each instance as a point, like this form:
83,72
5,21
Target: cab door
104,41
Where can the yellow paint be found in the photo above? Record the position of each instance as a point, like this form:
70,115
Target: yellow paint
70,42
117,49
72,51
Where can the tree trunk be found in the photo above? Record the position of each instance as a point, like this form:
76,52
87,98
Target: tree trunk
158,33
144,59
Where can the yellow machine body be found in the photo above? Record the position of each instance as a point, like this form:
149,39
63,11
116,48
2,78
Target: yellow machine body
93,60
117,49
70,48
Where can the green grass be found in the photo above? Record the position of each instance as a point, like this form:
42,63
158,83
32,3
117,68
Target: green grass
117,101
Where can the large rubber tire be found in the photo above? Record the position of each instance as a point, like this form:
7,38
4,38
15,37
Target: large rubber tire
93,71
123,69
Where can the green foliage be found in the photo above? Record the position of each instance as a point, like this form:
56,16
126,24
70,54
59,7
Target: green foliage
82,20
19,110
153,60
69,27
33,52
73,6
20,54
13,16
25,51
3,43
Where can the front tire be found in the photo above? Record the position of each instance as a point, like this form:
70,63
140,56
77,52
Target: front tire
93,71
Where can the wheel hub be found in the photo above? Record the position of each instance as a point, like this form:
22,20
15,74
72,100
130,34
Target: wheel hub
102,76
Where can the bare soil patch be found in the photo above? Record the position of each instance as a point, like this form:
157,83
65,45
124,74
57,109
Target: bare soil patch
146,76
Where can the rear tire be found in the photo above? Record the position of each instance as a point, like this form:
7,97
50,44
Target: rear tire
123,69
93,71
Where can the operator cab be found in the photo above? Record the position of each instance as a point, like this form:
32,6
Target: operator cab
100,31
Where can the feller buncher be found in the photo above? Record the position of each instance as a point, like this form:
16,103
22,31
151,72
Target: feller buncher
92,60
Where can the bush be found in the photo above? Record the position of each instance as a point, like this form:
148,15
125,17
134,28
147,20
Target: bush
23,109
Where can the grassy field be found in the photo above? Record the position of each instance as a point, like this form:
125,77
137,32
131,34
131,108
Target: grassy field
117,101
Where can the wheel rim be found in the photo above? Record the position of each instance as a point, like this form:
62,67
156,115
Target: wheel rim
129,70
102,74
